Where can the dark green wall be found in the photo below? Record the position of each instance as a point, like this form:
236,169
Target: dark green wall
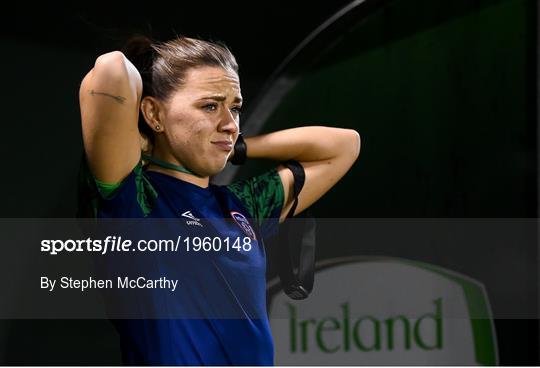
443,97
443,94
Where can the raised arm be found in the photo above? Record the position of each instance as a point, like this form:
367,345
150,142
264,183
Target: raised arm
109,100
325,153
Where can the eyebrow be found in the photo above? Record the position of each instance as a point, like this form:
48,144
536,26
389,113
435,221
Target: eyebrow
221,98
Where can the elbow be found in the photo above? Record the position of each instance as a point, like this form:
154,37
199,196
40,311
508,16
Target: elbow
113,69
108,68
112,66
355,143
347,145
110,59
358,142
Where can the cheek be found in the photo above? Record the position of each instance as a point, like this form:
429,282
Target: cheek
188,133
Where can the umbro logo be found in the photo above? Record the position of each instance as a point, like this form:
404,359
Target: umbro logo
189,215
193,220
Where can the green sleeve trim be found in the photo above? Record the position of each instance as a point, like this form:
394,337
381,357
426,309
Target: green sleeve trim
262,195
146,194
105,189
91,189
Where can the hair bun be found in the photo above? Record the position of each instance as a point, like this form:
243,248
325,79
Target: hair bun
138,49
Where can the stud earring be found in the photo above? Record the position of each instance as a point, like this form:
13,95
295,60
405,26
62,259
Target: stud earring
158,127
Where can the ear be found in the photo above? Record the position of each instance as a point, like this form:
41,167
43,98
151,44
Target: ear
152,110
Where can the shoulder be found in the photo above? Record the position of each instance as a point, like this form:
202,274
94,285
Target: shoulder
132,196
262,195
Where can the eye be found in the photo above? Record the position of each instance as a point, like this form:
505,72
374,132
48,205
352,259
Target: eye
210,107
237,110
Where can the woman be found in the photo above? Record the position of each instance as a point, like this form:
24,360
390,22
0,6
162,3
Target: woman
179,102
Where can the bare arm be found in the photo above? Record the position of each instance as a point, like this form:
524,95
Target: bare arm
109,100
325,153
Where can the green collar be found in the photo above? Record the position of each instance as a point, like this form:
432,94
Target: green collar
168,165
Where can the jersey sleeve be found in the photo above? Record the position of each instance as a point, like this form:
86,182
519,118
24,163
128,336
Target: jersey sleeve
132,197
263,197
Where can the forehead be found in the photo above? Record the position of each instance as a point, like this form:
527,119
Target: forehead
205,80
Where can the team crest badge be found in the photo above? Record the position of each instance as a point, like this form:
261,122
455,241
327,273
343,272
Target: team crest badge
242,221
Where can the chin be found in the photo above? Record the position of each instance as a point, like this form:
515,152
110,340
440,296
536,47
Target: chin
221,168
216,169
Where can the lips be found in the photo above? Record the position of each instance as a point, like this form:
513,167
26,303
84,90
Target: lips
224,145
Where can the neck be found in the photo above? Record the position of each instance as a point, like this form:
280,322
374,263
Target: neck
202,182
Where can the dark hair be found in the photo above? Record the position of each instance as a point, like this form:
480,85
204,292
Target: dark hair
163,65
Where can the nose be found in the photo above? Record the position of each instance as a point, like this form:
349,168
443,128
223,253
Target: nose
228,123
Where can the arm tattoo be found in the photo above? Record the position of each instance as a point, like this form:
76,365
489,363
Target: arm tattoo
119,99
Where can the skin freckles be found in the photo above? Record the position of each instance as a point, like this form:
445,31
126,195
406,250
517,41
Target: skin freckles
198,120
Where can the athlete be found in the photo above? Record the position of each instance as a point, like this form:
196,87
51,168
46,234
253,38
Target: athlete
158,120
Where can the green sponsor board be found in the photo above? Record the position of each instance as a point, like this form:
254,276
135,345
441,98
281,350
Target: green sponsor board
404,330
385,311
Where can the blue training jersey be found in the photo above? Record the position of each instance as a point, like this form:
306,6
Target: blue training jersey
221,295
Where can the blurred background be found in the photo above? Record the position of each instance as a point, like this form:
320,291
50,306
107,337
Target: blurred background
443,93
